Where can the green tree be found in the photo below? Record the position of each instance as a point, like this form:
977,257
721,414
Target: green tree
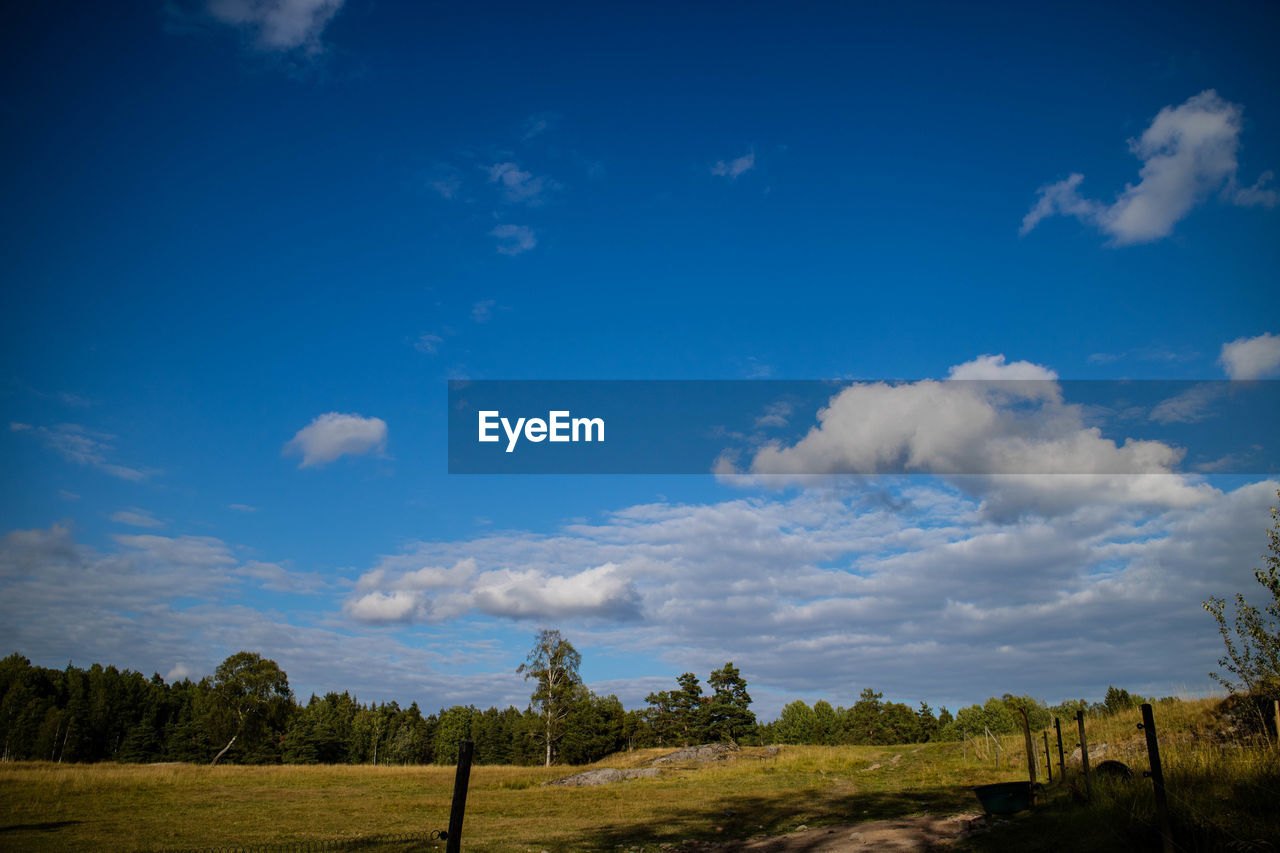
795,724
250,694
553,665
1251,666
728,714
1252,661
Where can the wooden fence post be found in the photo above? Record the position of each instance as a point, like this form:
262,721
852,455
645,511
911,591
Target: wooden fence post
1030,744
1148,726
1062,761
1084,756
1048,762
453,844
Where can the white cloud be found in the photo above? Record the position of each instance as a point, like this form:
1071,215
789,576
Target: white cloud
904,585
482,311
433,593
83,446
398,606
334,434
279,24
1010,440
518,185
603,591
135,517
733,168
514,239
1251,358
242,507
178,672
986,367
1188,153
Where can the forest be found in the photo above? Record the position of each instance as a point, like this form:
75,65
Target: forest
246,713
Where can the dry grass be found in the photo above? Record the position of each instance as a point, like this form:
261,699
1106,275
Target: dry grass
1222,793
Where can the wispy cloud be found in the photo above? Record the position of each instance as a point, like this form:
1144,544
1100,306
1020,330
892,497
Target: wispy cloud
482,311
514,239
135,517
279,25
83,446
242,507
1188,153
1251,358
428,343
334,434
731,169
517,185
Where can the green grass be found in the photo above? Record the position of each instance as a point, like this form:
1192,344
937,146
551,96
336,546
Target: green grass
1224,795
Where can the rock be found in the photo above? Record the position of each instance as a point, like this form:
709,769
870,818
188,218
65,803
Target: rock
705,752
1096,751
603,776
1114,769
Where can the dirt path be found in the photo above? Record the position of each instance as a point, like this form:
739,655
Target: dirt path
905,835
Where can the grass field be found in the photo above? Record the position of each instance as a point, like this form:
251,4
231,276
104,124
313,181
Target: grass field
1224,794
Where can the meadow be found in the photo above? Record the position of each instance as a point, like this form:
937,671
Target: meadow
1222,795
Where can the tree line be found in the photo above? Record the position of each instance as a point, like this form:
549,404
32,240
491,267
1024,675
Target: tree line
245,713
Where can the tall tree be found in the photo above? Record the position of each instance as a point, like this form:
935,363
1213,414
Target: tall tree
728,714
553,665
249,691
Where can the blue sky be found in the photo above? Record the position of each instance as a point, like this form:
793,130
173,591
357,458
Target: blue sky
225,221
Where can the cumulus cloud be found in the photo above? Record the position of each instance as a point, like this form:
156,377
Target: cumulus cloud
731,169
176,605
1001,430
433,593
83,446
334,434
1188,153
904,585
514,239
279,25
913,595
994,367
1251,358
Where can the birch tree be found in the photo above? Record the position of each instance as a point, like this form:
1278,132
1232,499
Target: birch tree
553,665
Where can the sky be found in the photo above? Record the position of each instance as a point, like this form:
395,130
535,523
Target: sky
248,243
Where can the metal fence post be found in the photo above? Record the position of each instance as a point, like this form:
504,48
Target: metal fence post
1148,727
453,844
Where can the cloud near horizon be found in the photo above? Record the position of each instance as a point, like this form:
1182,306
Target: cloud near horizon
1188,153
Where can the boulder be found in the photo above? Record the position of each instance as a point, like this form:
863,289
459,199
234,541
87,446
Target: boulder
603,776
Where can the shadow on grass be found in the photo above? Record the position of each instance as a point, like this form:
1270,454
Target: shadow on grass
727,819
39,827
